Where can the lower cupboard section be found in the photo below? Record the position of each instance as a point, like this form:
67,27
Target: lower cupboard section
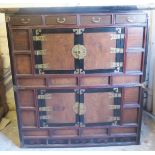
80,137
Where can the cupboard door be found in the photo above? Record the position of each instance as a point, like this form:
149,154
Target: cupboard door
52,49
105,50
100,106
58,108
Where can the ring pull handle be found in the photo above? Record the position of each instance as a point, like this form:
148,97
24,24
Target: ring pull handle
96,20
25,20
131,19
62,20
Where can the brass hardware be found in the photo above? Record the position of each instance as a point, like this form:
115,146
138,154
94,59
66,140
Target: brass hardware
143,85
40,52
14,88
62,20
114,106
117,64
45,117
96,20
45,109
7,18
115,90
79,71
39,38
115,95
113,118
38,31
41,66
76,107
116,50
45,96
79,52
117,36
82,109
82,125
130,19
25,20
79,108
118,29
82,91
78,31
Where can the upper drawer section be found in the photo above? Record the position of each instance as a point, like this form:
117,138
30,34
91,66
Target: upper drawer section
130,18
26,20
95,19
61,20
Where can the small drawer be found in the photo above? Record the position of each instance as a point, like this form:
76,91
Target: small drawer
129,19
95,19
61,20
26,20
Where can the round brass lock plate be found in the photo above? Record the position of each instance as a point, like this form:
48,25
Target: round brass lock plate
79,52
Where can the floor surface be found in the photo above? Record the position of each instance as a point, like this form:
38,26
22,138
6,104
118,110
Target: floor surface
9,139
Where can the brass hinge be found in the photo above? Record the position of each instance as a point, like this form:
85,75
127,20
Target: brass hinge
14,87
45,117
114,106
40,52
117,36
45,96
39,38
116,50
41,66
7,18
45,109
78,31
79,52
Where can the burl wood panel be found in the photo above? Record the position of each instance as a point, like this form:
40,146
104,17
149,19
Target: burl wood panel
123,130
59,51
59,81
64,132
21,39
133,61
23,64
97,107
61,108
135,37
130,115
37,132
125,79
26,98
94,132
28,118
131,95
98,50
93,81
31,82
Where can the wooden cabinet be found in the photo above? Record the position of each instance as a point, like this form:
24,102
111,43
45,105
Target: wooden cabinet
78,77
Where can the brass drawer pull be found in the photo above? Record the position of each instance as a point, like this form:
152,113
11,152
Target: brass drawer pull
96,20
25,20
61,20
130,19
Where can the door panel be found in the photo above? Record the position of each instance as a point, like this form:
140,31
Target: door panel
56,108
53,49
101,106
104,50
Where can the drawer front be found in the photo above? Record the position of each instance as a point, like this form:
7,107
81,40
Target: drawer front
129,19
61,20
95,19
26,20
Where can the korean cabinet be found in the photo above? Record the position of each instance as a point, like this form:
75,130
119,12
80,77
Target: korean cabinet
78,77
